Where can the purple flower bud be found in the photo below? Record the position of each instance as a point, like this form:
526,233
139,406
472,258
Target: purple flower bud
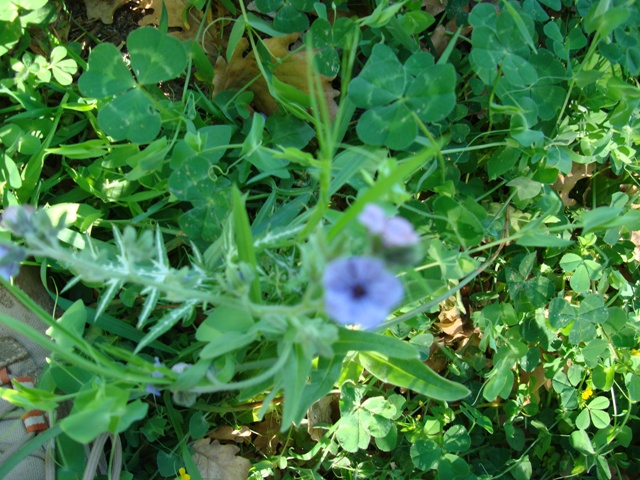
399,232
373,218
181,367
157,363
10,258
152,390
395,232
359,291
18,219
155,391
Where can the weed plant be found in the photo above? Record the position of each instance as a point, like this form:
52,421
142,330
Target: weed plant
423,214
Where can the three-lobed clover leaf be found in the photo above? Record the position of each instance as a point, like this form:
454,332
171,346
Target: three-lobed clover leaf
193,179
130,111
362,419
581,320
325,38
392,93
290,15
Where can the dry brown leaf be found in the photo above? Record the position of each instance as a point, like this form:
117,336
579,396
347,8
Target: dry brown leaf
450,321
228,433
434,7
103,9
565,183
219,462
290,69
174,12
537,376
183,20
268,435
440,38
321,412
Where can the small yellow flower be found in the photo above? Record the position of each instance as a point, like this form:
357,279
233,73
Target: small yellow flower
635,352
587,394
183,474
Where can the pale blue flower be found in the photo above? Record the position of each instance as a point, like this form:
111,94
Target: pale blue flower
395,232
18,219
10,258
359,291
373,218
153,390
399,232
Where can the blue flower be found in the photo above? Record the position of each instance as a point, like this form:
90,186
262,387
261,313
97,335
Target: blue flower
18,219
359,291
10,258
151,388
395,232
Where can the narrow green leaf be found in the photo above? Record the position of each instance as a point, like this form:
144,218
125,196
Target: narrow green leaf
165,324
226,342
108,295
294,379
244,241
542,240
522,28
234,37
413,374
361,341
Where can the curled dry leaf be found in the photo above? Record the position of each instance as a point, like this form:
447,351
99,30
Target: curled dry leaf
565,183
290,68
450,322
537,379
174,13
268,437
321,412
440,38
219,462
434,7
103,9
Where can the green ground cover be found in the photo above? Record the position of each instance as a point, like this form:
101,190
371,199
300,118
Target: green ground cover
217,206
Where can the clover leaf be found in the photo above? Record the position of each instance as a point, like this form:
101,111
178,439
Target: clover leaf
325,38
193,180
581,320
393,92
496,39
130,111
290,15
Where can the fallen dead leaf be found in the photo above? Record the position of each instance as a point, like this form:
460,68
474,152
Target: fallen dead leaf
434,7
268,437
103,9
174,13
565,183
440,38
184,21
537,376
321,412
242,70
450,322
219,462
228,433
